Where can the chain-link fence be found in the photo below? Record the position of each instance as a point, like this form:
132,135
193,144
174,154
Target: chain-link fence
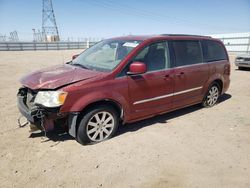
23,46
237,44
233,44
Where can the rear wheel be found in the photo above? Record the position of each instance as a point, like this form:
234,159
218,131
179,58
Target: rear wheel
212,96
97,125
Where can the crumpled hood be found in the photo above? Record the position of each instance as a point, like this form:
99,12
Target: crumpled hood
57,76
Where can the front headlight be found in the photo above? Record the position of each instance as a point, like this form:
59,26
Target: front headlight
50,98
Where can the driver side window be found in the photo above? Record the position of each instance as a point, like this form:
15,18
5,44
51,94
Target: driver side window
155,56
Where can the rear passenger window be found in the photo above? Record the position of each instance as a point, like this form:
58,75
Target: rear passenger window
213,51
187,52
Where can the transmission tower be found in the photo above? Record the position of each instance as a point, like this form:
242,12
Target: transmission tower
13,36
37,36
49,27
2,38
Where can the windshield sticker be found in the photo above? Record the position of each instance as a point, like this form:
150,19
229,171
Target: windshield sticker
130,44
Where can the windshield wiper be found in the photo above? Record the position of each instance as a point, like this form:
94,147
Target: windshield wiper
79,65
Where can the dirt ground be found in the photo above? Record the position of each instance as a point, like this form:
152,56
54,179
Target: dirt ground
193,147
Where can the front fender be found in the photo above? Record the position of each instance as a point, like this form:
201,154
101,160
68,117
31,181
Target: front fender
81,102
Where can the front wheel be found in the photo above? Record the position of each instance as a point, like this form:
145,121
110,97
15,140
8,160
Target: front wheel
212,96
98,124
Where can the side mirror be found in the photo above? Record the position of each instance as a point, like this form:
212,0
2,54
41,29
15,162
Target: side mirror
137,68
75,56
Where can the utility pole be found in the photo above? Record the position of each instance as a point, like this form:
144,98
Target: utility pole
49,27
34,35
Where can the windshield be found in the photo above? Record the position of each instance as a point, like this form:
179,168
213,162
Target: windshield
105,55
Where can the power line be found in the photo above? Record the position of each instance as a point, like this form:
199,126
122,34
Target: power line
142,13
178,20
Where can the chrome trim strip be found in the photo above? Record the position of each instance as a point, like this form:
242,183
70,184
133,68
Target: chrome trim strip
188,90
168,95
154,98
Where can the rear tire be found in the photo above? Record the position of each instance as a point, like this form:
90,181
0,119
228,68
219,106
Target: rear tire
212,95
98,124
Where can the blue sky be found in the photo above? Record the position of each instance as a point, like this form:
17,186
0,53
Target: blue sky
108,18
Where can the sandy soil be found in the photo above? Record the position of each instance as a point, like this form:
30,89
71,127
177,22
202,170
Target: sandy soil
193,147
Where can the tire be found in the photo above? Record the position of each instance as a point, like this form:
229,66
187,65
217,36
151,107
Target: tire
98,124
212,95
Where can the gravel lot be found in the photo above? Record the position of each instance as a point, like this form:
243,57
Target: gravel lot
193,147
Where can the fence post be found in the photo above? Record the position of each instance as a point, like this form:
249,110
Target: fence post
68,45
87,43
7,45
21,46
248,46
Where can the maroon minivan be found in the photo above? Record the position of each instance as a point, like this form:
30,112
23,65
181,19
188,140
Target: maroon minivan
123,80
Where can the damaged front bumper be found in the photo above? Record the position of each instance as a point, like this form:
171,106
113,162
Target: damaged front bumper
30,114
38,116
44,118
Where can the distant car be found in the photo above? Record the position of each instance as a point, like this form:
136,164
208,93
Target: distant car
243,61
125,79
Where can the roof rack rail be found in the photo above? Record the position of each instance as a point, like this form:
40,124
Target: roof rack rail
183,35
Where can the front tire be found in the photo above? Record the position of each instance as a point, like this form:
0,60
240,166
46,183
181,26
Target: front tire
98,124
212,96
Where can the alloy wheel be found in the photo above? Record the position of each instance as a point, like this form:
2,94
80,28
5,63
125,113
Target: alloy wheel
213,95
100,126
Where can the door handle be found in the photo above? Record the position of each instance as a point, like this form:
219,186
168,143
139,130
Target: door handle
180,74
167,77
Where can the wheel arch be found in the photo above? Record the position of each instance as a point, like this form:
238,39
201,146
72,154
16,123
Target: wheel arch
116,105
109,102
220,83
216,78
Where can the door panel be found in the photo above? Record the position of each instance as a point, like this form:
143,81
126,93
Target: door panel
189,81
151,92
190,73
